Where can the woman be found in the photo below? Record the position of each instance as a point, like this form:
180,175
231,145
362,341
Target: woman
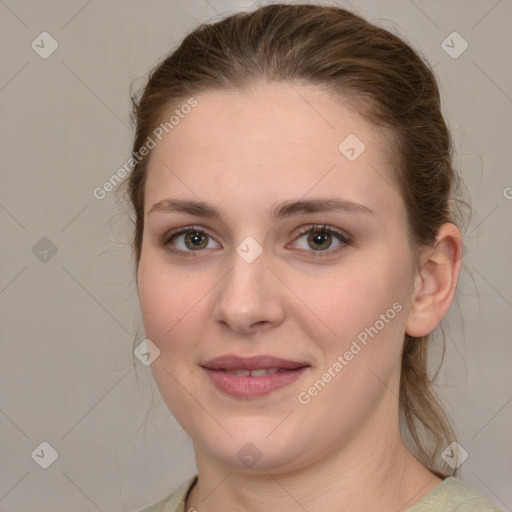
295,246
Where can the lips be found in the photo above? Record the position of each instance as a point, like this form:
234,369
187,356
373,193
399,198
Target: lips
251,377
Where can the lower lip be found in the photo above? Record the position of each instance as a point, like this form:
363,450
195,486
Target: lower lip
251,387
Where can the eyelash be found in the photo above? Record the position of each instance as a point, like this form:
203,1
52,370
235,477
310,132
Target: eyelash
166,239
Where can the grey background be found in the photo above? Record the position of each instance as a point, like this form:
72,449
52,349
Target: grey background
69,319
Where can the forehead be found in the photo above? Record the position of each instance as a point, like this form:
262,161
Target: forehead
275,142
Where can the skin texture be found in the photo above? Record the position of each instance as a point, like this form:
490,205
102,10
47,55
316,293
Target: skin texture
244,152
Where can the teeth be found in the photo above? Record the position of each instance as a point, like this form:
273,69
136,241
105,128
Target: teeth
239,373
258,373
253,373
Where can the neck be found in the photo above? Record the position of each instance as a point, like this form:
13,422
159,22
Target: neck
377,472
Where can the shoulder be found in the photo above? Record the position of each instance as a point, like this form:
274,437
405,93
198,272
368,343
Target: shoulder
175,502
452,495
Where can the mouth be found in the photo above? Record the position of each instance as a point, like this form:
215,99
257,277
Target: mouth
244,372
254,376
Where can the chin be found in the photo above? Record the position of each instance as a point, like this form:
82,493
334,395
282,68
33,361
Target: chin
256,447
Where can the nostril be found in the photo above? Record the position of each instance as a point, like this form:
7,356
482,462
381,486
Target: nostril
259,323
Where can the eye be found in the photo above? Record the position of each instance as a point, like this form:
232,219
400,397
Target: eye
320,239
189,239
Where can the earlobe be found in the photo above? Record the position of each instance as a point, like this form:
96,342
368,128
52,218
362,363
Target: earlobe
436,282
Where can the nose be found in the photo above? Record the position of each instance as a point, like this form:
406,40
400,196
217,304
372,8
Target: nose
249,298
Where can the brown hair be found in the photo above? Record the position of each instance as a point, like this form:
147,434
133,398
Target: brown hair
385,80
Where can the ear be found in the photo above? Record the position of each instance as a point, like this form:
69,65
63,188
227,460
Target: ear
436,281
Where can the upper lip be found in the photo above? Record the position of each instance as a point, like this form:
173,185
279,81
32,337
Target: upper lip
232,362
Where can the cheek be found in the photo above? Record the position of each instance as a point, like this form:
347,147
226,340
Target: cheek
362,360
347,299
159,298
172,306
154,298
363,301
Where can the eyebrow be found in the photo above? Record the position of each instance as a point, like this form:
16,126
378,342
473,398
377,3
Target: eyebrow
279,211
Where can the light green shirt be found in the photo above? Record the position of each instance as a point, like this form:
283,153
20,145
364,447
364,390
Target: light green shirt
451,495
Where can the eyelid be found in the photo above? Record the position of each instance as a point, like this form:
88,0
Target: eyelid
324,227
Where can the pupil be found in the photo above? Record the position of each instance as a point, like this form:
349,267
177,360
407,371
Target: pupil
321,239
195,240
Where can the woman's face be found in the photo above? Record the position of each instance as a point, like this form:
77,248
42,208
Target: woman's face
292,245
